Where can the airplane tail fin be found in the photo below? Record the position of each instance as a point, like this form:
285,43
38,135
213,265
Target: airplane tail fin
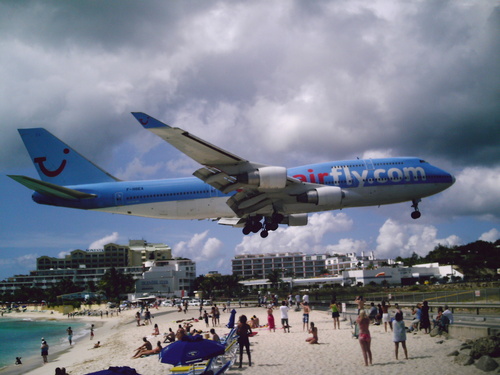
59,164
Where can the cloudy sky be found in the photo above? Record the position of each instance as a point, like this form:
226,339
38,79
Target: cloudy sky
283,83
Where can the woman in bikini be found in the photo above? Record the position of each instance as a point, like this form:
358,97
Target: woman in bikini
364,336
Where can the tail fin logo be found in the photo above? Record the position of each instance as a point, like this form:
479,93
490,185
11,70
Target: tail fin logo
48,172
144,122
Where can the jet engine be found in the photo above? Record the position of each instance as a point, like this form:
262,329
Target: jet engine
265,178
329,196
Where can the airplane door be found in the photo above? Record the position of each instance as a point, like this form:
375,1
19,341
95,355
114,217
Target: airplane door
369,164
119,199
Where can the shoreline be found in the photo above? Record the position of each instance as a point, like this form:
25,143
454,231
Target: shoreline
277,352
34,362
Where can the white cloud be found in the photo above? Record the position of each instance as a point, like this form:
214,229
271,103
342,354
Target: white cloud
136,170
99,244
491,236
204,250
475,192
396,239
307,239
26,262
348,245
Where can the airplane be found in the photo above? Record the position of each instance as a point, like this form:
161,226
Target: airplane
227,188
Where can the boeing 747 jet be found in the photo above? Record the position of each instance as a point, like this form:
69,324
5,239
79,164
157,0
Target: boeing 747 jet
227,188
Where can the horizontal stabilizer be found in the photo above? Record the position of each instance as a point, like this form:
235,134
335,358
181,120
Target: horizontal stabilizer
46,188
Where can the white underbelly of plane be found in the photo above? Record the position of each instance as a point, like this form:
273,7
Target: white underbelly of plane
182,210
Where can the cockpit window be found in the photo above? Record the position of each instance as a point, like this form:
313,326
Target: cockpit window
423,161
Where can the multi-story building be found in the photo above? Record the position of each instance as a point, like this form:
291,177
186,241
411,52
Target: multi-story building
167,278
85,267
338,263
288,264
112,255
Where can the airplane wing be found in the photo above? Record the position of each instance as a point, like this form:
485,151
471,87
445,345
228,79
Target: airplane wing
261,189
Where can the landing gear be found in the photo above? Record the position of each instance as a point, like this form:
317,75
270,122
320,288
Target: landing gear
416,213
270,223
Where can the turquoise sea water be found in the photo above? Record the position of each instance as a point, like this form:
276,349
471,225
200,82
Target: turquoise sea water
22,338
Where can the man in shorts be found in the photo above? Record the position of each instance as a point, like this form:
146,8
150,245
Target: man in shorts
284,316
305,315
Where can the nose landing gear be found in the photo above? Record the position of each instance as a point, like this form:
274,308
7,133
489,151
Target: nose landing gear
416,213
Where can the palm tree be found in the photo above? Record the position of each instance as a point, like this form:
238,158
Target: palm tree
274,278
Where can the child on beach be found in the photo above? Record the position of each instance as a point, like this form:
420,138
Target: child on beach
156,330
364,336
399,334
314,331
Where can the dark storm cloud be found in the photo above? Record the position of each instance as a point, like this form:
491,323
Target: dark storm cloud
304,80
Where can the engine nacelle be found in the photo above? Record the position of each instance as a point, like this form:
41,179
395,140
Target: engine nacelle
329,196
266,178
296,220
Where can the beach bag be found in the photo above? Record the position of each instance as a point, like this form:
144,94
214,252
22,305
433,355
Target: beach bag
434,332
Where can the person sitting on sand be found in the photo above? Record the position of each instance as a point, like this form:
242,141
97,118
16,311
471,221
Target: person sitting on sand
156,350
181,332
97,345
170,337
314,331
156,330
254,322
146,346
215,336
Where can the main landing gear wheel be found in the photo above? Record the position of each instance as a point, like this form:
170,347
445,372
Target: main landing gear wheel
415,214
255,225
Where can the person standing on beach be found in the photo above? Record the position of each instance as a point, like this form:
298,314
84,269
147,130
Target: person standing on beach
386,317
244,331
305,316
70,335
360,301
45,351
364,336
92,332
205,318
284,316
399,334
334,306
425,321
270,319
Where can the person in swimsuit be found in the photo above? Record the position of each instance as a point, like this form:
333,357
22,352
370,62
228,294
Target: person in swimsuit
364,336
314,332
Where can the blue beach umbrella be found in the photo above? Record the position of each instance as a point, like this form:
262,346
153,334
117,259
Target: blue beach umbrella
231,319
190,349
125,370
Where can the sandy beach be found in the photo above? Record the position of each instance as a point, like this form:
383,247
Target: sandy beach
276,353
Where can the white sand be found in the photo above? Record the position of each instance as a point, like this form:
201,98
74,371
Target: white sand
274,353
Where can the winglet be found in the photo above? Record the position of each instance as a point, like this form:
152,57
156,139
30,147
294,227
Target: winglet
149,122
